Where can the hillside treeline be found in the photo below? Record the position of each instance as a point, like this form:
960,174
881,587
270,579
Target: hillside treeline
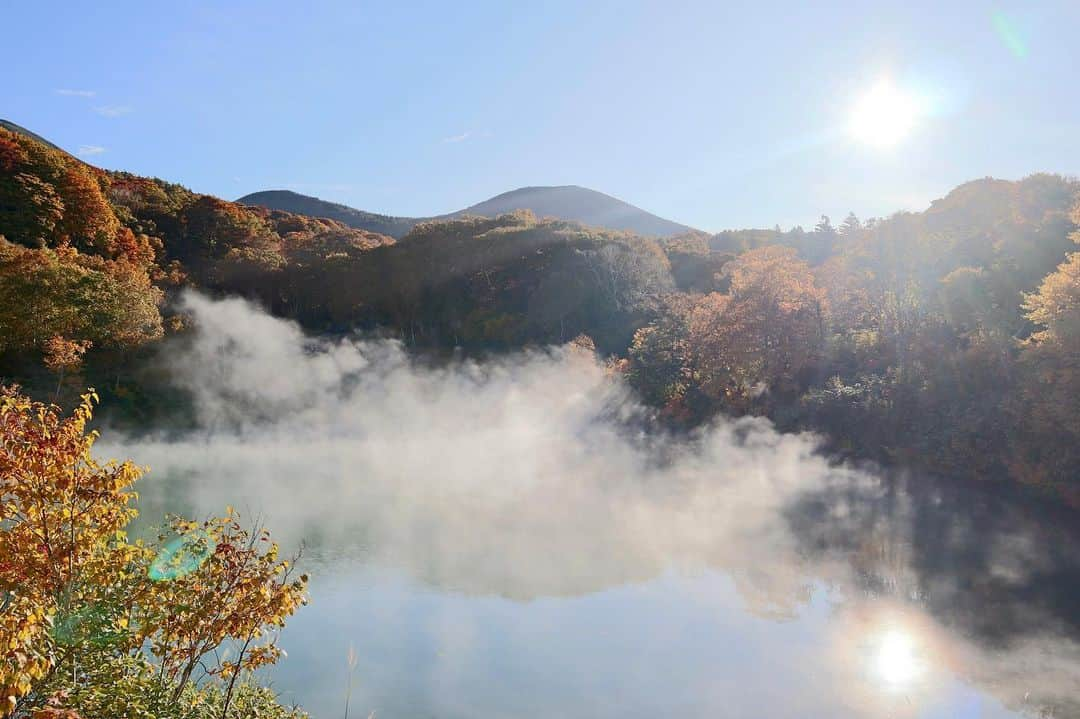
947,340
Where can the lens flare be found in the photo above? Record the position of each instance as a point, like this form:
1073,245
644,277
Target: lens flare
1010,35
181,556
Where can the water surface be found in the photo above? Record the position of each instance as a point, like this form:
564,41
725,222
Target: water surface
516,538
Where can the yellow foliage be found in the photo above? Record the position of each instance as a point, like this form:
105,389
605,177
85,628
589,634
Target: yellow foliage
74,589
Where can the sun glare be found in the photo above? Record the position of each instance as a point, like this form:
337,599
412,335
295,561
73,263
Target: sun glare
885,115
895,660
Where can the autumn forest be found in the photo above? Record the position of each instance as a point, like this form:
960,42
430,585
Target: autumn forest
946,340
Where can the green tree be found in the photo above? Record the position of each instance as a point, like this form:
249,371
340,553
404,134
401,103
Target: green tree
850,225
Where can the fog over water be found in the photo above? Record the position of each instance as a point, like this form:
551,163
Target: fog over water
514,538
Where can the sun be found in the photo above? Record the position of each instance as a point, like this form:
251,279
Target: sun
895,660
885,115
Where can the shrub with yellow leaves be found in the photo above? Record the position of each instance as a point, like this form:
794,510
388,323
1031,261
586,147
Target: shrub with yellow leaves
76,593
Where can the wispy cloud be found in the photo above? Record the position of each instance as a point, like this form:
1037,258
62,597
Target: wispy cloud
458,138
112,110
75,93
87,150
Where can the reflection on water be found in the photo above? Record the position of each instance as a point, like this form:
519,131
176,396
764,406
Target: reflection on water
503,540
899,652
678,645
679,620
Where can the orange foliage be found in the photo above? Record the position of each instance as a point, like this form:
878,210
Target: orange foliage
764,332
46,292
63,354
11,154
89,222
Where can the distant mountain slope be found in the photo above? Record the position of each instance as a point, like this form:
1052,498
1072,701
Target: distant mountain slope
568,202
296,203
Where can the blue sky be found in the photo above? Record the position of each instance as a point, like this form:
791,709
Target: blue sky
713,114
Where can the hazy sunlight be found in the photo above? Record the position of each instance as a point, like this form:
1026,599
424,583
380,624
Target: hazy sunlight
885,115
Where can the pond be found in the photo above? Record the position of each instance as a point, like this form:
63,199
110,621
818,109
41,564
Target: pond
514,538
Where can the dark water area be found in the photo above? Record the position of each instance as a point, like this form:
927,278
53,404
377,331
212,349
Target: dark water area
994,560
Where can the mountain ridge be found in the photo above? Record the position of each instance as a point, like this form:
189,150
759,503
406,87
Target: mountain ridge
13,127
566,202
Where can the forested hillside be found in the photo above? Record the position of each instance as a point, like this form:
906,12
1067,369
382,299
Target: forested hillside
946,340
88,257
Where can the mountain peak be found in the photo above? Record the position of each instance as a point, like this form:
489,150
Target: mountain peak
580,204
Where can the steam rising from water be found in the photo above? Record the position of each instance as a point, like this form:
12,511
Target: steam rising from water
521,477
